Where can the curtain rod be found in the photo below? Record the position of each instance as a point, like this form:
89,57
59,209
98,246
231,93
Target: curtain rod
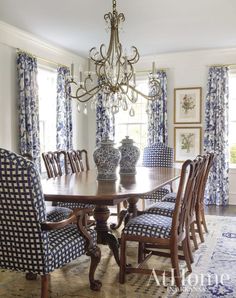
149,70
42,59
222,65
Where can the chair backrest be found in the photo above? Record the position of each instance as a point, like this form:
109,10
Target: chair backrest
201,165
56,163
158,155
78,160
184,196
209,163
22,209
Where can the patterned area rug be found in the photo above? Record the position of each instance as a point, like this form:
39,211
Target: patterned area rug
214,272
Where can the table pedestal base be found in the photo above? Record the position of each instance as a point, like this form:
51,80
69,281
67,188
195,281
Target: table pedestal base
104,236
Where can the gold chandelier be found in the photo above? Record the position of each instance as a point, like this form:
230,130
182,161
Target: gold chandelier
114,71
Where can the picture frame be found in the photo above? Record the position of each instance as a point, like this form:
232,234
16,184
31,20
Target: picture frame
187,105
187,143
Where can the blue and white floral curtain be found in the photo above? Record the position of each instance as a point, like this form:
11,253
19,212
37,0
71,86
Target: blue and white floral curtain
105,121
157,114
216,136
64,112
28,106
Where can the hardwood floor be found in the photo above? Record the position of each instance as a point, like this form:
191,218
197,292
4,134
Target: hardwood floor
229,210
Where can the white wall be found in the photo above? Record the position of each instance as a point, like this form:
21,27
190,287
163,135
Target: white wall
185,69
10,39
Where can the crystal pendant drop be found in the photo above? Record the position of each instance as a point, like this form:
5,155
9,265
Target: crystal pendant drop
85,109
124,105
78,108
132,112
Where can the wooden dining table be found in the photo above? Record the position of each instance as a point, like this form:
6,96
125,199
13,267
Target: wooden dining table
85,188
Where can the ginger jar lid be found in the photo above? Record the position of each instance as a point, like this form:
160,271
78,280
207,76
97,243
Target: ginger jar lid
127,140
106,141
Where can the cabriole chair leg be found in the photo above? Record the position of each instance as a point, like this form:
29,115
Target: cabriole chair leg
95,254
122,260
199,226
44,286
193,234
175,265
186,254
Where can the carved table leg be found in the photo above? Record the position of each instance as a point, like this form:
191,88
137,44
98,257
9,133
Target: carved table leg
132,209
104,236
122,215
125,215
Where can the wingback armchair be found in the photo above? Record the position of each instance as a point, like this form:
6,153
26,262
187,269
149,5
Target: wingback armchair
28,242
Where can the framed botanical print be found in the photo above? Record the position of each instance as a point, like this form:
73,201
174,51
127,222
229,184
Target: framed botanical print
187,143
187,105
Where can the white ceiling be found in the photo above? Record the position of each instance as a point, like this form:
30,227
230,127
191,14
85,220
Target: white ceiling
154,26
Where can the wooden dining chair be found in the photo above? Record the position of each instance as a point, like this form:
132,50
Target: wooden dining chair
30,243
169,200
79,163
56,164
167,207
200,210
158,155
159,230
78,160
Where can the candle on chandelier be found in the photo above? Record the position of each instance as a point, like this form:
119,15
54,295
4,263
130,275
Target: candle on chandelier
134,78
72,70
153,67
80,77
89,65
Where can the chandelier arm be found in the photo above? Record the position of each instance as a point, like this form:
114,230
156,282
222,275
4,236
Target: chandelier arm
88,78
86,100
136,56
79,97
101,53
152,98
69,83
129,98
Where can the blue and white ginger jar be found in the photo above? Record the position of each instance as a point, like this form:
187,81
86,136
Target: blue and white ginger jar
129,156
106,158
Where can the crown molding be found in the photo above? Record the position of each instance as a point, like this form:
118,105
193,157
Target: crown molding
17,38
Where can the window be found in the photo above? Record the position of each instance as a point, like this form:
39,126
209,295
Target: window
232,118
135,127
47,79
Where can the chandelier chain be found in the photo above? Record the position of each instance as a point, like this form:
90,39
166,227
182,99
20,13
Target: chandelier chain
114,5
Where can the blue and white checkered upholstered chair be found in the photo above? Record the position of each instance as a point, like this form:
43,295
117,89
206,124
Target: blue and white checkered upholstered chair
28,242
158,155
57,163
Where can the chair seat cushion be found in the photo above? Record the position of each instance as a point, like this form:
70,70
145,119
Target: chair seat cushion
156,195
149,225
170,197
67,244
75,205
162,208
55,213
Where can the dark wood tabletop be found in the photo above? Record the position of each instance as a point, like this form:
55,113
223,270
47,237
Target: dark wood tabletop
84,187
